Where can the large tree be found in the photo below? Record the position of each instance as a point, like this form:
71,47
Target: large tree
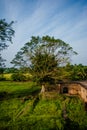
44,55
6,33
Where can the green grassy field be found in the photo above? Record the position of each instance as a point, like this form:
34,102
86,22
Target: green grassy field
14,97
22,108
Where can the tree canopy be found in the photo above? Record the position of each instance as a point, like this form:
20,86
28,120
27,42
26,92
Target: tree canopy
44,55
6,34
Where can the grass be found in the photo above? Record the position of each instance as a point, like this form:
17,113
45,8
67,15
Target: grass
14,100
22,108
18,89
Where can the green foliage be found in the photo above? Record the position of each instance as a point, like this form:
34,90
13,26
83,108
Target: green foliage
77,113
44,55
2,70
79,72
10,70
6,34
2,78
18,77
76,72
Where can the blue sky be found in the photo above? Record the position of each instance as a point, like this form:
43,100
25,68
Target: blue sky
63,19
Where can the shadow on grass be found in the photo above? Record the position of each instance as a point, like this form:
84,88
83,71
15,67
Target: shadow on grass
71,125
19,94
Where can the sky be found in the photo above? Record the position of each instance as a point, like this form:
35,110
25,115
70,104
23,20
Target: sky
63,19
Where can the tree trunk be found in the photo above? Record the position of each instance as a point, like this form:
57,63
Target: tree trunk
43,89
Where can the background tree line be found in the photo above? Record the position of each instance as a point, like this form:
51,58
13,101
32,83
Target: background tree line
69,72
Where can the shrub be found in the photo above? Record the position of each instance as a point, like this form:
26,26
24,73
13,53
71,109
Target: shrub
18,77
2,78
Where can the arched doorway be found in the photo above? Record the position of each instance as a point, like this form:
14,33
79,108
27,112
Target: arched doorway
65,90
86,106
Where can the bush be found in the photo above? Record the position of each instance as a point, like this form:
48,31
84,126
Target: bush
18,77
2,78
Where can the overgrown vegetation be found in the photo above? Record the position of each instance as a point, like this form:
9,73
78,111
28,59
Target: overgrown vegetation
44,55
44,61
23,108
